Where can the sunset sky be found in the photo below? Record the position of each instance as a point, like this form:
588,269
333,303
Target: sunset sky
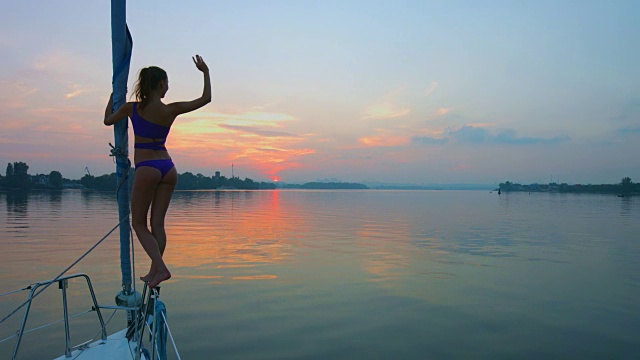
392,91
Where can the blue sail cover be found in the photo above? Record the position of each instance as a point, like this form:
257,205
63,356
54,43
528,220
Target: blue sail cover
121,47
160,326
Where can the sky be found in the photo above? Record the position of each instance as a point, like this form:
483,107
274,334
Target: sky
405,92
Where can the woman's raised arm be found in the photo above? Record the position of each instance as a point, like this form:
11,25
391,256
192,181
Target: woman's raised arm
178,108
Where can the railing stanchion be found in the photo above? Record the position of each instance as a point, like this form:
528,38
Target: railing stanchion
62,285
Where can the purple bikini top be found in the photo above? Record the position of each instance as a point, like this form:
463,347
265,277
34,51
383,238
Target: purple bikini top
147,129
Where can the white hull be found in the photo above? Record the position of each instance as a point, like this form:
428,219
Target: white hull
115,347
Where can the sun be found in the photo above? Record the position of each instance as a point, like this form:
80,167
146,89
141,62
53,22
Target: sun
276,179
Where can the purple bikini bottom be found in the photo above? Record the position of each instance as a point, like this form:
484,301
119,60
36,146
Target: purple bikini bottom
163,165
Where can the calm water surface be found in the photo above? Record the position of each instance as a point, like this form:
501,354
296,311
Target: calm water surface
349,274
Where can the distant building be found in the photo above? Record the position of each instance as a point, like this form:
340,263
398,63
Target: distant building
217,174
40,179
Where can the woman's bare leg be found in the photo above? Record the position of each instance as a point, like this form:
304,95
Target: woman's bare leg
159,207
145,183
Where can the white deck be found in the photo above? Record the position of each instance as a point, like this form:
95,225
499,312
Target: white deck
115,347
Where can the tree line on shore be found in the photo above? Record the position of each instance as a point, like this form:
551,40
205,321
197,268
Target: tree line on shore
326,186
17,177
625,186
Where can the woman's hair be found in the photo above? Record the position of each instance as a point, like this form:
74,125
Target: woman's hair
148,79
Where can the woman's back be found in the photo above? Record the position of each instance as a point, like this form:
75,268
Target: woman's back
151,125
156,112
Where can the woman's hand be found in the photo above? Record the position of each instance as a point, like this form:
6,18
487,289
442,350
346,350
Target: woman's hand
200,64
109,110
111,117
182,107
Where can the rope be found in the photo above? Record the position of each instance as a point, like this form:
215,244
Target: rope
175,348
154,331
108,321
154,336
61,274
16,291
135,291
105,325
122,169
115,153
10,337
59,321
47,325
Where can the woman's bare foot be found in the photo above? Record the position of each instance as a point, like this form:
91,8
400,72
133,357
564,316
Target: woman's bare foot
148,277
159,277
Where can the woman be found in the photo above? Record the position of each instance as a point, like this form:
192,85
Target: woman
156,176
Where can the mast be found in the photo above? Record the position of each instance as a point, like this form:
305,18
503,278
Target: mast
121,46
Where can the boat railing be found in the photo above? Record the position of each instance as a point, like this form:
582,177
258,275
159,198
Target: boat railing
63,283
151,316
136,328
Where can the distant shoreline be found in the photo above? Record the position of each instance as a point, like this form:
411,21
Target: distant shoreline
52,190
625,188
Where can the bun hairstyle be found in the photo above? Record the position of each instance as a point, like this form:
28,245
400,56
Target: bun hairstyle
148,79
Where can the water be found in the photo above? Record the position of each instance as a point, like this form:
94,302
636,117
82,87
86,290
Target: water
350,274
